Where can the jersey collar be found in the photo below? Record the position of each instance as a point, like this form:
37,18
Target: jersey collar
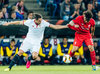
36,23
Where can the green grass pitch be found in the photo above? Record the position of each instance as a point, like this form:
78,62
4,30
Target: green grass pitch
49,69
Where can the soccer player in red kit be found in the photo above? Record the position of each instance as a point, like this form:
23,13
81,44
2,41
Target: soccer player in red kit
83,34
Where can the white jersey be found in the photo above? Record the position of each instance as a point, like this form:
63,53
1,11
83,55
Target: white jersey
35,32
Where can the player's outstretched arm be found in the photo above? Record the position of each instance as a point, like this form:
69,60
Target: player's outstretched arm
92,30
58,26
15,23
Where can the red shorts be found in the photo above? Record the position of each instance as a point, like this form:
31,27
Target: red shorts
80,38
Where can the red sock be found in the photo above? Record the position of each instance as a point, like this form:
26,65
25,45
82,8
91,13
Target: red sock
93,59
71,53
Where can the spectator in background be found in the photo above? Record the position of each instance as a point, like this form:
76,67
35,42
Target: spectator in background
97,51
66,10
54,41
21,7
90,8
18,15
52,7
77,10
13,15
82,5
97,5
11,49
5,13
86,2
46,51
30,15
1,14
98,18
62,49
4,3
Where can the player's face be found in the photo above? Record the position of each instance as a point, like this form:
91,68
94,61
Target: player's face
85,19
39,20
46,41
65,40
30,16
12,43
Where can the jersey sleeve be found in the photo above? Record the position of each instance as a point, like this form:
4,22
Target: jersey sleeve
46,24
26,22
77,19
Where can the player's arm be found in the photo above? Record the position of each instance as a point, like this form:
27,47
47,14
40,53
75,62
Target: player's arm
92,30
58,26
15,23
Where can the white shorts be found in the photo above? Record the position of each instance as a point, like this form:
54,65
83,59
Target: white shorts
31,46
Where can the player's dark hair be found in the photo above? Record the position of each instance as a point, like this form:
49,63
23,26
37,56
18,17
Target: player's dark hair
88,15
29,12
13,40
37,16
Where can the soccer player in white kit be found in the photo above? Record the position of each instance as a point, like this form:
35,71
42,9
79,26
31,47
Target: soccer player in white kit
34,37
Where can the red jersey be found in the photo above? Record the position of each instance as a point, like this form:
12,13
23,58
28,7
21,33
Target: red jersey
83,27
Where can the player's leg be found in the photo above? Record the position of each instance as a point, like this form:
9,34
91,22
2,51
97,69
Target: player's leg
34,55
93,56
76,44
24,47
72,52
14,60
89,43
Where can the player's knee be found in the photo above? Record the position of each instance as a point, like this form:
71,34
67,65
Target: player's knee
91,48
34,55
75,48
20,52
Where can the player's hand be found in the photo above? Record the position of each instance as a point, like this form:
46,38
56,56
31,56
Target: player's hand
77,26
6,24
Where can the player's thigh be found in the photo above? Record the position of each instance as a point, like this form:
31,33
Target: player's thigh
88,41
20,52
25,46
35,48
78,41
91,48
34,54
75,48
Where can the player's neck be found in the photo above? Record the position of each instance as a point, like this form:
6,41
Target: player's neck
36,22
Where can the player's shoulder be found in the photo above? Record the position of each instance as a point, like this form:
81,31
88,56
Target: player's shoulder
43,21
79,17
92,21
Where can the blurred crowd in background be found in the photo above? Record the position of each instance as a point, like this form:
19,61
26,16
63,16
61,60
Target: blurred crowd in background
51,52
62,9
